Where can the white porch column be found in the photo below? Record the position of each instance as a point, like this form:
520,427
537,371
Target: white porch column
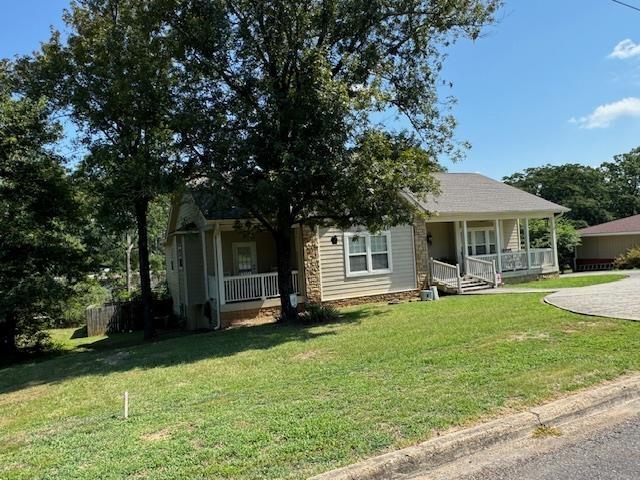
205,263
465,243
554,240
527,243
219,265
456,228
498,244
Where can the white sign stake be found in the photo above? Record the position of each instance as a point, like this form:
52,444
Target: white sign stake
126,405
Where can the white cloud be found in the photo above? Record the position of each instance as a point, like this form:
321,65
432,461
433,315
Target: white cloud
625,49
604,115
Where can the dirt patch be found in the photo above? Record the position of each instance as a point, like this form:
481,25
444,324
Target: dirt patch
164,434
521,337
116,358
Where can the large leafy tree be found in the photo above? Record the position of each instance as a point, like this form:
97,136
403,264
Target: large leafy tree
114,75
581,188
40,251
281,96
623,180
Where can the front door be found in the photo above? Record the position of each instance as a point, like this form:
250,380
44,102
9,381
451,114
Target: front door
244,258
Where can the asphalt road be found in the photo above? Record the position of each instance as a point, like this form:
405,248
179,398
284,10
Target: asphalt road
611,453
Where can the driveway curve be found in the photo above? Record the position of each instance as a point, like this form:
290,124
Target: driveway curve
620,299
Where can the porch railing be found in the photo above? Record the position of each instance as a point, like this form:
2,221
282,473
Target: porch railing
514,261
257,286
484,270
446,274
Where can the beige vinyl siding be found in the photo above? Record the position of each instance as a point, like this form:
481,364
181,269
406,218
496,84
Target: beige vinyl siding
188,212
336,285
510,235
443,246
608,247
194,269
173,281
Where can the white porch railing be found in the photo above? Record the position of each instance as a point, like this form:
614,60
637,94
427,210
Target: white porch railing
514,261
446,274
257,286
484,270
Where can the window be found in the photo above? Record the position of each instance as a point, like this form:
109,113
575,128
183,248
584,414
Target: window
367,254
481,241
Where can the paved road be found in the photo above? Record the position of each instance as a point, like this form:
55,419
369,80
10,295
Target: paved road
609,454
619,299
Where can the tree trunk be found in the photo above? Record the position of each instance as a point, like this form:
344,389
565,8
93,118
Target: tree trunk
142,207
129,248
8,330
285,283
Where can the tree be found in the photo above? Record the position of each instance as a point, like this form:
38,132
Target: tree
114,74
581,188
623,180
280,95
40,251
566,235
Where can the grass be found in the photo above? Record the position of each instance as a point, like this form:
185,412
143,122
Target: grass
288,402
566,282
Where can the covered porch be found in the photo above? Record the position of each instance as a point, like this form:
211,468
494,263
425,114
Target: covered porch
242,271
490,248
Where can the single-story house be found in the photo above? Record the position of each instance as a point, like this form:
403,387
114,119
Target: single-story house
602,243
475,236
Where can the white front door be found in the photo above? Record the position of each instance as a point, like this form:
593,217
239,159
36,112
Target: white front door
244,258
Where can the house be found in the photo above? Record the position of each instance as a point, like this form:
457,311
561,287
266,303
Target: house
475,236
602,243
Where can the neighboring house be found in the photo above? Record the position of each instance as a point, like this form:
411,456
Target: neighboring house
602,243
476,233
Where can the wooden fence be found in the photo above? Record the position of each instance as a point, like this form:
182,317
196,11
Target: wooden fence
109,318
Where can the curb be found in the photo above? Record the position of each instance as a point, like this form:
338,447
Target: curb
455,445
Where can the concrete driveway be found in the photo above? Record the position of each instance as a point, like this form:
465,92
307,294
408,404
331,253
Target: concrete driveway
619,299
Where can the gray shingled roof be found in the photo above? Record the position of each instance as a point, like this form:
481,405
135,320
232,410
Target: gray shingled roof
474,193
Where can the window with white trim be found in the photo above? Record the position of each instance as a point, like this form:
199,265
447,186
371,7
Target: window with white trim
481,241
367,253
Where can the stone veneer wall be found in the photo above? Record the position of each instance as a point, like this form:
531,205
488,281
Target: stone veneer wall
385,297
421,252
311,261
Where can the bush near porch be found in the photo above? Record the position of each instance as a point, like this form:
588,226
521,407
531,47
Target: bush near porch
287,402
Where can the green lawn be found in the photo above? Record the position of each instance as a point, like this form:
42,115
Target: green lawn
288,402
566,282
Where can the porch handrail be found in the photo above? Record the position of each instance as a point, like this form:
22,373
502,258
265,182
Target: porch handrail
255,286
446,274
484,270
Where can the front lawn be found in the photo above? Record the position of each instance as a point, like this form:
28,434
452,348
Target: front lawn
573,281
289,402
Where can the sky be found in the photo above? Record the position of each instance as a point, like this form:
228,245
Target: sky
552,82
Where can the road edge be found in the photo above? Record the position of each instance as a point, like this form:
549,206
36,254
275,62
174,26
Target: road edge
455,445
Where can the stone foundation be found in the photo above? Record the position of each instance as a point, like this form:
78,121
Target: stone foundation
385,297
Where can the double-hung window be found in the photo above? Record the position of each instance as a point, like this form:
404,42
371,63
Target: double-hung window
367,253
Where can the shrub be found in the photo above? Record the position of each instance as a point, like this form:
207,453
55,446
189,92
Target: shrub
318,313
85,294
630,259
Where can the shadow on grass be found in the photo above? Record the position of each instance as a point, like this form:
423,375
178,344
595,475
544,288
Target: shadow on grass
123,352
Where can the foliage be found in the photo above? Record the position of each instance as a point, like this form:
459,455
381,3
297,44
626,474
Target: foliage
84,294
40,248
315,398
594,194
623,180
114,74
629,259
566,235
578,187
279,96
316,313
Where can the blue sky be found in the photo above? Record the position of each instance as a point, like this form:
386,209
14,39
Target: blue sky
528,91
